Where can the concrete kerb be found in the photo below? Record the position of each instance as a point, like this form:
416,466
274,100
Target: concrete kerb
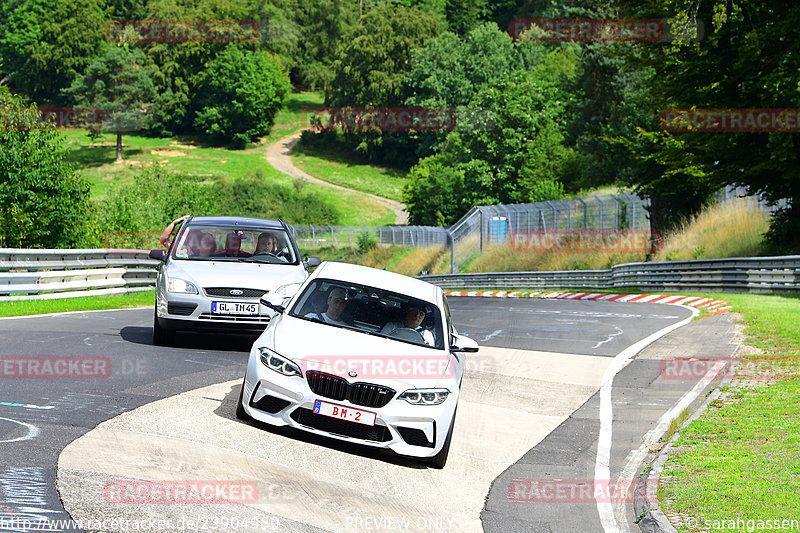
651,518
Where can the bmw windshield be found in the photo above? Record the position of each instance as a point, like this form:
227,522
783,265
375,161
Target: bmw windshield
371,310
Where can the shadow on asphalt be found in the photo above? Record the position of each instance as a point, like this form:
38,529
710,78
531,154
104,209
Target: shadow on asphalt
229,342
227,409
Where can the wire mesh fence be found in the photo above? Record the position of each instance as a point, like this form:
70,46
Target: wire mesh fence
491,225
312,236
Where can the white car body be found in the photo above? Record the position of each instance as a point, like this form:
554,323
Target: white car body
408,429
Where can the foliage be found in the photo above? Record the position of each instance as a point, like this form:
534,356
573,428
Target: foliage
252,195
135,213
46,44
515,157
366,242
370,66
748,58
434,194
43,202
370,70
117,85
241,93
324,25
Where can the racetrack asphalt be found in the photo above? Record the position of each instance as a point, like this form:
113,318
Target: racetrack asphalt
542,360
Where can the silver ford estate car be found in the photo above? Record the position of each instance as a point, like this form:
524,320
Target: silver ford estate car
216,271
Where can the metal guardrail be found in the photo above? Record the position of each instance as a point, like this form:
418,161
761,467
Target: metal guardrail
760,275
46,274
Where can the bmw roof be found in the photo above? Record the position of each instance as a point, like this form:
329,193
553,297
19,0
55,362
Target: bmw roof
378,278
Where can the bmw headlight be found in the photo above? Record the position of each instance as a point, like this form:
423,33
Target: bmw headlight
278,363
181,286
425,396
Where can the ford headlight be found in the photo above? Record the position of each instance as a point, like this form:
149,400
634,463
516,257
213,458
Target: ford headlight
425,396
181,286
278,363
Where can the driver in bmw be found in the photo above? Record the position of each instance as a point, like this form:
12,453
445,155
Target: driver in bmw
412,319
337,303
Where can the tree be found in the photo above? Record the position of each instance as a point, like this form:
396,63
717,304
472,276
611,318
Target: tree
370,67
370,71
241,93
515,156
449,71
324,26
46,44
120,87
43,202
748,58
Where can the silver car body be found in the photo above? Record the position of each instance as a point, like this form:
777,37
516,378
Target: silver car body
216,292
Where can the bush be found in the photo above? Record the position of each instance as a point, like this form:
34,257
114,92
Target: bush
241,93
135,213
366,242
43,202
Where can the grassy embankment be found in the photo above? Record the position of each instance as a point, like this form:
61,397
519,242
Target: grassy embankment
732,229
741,459
96,161
335,165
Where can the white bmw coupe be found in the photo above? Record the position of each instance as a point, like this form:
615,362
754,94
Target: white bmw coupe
360,355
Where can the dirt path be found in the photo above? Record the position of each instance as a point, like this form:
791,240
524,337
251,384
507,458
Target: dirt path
278,156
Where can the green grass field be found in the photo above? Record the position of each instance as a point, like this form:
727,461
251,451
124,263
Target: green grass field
96,161
336,166
741,458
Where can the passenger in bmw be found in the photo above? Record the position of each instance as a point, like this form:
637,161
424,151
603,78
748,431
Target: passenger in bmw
337,303
413,315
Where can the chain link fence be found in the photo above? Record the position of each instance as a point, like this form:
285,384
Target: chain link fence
489,225
311,236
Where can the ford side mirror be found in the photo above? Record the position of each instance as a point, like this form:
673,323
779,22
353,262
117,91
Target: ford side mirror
312,261
160,255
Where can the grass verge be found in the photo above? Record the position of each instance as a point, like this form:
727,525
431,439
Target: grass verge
336,165
87,303
740,461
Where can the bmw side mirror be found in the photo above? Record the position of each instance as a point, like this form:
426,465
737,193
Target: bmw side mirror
459,343
160,255
274,301
312,261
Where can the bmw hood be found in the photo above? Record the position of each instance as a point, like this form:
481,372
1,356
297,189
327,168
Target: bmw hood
235,274
343,352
